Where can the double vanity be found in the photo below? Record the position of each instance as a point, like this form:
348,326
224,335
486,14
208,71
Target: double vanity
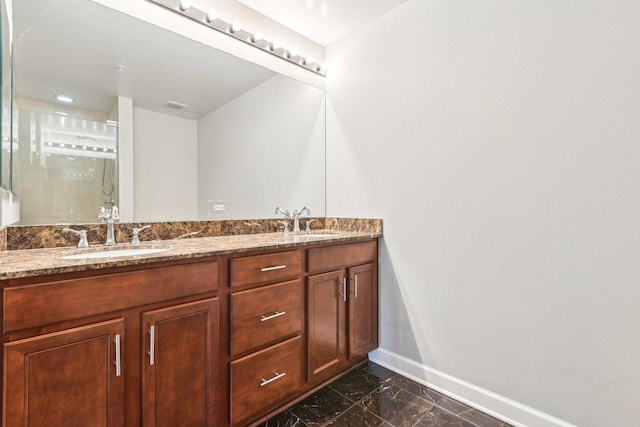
210,331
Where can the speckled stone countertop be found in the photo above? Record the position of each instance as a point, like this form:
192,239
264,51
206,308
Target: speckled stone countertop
40,262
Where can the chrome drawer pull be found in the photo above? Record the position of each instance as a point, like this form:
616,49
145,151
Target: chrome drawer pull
152,345
276,267
277,377
273,316
118,366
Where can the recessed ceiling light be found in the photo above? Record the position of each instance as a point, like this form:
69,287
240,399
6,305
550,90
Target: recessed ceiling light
64,98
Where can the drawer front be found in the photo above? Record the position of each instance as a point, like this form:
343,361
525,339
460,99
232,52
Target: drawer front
45,303
333,257
265,315
265,378
270,268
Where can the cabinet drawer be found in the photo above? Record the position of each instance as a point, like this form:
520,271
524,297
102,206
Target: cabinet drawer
45,303
268,268
332,257
264,378
265,315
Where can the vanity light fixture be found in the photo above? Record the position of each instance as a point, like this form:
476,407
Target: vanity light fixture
292,53
275,45
234,29
212,15
184,5
256,37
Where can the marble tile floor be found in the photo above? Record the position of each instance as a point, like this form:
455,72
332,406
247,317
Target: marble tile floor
372,395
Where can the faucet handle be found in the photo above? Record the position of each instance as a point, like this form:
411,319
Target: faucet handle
115,215
308,228
135,240
83,243
286,227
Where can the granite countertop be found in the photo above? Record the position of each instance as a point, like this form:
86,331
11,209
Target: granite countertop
39,262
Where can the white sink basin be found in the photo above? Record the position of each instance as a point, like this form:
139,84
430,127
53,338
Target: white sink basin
116,253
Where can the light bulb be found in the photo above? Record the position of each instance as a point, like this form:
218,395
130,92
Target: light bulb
185,4
293,53
212,15
236,26
275,45
256,37
323,68
308,60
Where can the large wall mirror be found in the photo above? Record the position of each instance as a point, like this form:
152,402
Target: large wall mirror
206,135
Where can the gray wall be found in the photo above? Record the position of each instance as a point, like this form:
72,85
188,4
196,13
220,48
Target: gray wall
499,141
266,148
165,153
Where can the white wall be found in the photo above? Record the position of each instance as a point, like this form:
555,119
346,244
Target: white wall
165,177
237,161
498,140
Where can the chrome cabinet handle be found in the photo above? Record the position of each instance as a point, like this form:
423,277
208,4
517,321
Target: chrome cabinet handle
356,285
270,380
152,345
273,316
344,289
118,365
277,267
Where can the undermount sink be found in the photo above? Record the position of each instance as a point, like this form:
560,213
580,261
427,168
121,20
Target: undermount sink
319,235
113,253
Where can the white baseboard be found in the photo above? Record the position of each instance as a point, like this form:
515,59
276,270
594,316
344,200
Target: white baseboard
498,406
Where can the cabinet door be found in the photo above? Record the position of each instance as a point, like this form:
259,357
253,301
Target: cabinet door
179,364
363,310
67,378
326,324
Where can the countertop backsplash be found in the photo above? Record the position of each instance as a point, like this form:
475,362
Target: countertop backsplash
51,236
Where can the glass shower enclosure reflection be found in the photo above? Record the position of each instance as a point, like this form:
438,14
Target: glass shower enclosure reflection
64,165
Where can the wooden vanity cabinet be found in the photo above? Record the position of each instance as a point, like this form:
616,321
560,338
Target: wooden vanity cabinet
74,356
342,306
67,378
178,374
164,345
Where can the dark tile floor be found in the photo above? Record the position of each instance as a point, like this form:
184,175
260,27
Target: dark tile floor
375,396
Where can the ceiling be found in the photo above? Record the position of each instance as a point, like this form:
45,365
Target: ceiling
323,21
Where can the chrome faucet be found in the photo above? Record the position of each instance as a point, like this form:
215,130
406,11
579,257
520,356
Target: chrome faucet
296,218
109,216
285,212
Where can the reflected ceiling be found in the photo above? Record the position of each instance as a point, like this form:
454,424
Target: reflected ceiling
105,60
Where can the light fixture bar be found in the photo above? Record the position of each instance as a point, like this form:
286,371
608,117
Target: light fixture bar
233,29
